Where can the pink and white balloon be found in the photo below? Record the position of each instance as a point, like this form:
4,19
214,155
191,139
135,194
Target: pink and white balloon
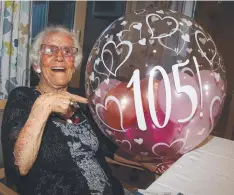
156,83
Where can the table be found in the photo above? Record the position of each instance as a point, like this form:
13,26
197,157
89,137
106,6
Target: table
207,170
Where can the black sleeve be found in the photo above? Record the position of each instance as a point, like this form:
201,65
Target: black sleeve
15,115
107,147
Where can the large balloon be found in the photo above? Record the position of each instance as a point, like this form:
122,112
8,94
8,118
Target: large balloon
156,83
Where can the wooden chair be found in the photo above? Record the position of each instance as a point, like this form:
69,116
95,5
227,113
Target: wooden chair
4,189
132,176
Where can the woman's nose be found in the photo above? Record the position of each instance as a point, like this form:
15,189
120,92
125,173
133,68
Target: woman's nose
59,55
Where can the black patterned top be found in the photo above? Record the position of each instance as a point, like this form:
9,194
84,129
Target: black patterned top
71,159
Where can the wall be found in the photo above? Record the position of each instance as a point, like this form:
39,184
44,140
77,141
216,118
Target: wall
218,19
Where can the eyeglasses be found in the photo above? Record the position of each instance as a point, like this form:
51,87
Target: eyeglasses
68,51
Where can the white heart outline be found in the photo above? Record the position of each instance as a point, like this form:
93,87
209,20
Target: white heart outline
98,92
189,50
186,22
201,132
185,36
128,30
111,98
91,76
216,98
94,82
162,35
168,146
112,62
219,66
140,11
183,140
121,142
198,44
160,11
188,69
165,46
173,11
128,43
222,67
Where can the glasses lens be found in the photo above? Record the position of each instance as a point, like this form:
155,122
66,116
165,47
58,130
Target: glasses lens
50,49
69,51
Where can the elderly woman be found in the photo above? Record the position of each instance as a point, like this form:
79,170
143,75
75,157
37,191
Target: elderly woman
50,144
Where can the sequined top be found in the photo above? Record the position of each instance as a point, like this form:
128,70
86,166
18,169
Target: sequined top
71,159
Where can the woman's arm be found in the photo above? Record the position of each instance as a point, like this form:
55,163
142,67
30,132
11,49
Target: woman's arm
125,161
28,142
29,139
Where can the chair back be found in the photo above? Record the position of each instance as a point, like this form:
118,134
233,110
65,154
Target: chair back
2,107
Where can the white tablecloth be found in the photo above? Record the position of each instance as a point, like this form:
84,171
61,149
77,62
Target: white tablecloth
207,170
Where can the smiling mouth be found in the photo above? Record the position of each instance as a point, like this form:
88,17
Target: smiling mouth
58,69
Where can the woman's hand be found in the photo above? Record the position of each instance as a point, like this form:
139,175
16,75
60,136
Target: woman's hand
59,102
158,167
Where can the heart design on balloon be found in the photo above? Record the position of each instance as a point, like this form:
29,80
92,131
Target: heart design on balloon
164,149
187,22
173,11
160,11
138,12
142,41
176,50
217,77
109,132
218,65
124,144
100,106
139,141
144,153
97,62
124,23
215,99
163,34
126,34
95,83
91,76
123,43
204,40
98,92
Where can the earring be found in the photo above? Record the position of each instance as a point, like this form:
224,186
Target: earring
38,70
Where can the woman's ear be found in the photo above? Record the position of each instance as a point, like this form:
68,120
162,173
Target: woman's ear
36,69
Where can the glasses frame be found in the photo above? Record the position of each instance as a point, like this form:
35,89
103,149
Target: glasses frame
59,48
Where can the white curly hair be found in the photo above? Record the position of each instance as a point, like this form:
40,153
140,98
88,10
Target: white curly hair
35,54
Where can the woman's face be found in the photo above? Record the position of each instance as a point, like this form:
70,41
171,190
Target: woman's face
57,69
